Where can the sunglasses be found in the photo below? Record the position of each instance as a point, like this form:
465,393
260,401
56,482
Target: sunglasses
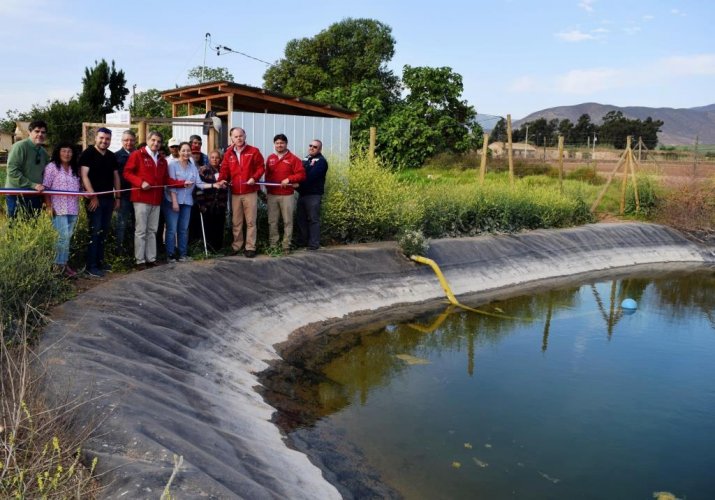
312,146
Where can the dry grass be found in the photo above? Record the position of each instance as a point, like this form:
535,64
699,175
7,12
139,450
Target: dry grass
690,208
40,445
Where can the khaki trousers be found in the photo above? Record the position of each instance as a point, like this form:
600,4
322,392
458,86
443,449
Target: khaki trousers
244,207
280,206
147,221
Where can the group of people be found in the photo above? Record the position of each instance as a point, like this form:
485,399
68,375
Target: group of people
142,185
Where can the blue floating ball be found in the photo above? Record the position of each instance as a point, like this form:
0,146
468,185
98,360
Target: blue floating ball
629,304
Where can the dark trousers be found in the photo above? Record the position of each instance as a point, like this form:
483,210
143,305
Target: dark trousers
31,205
309,220
100,223
124,223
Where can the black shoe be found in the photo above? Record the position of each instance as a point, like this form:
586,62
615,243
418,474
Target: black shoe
250,254
140,267
313,248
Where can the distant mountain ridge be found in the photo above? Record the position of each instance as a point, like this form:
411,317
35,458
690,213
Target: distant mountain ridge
681,125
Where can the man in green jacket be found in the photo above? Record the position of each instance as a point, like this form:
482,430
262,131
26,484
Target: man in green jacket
25,166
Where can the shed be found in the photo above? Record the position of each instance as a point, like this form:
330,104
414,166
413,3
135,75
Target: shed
263,114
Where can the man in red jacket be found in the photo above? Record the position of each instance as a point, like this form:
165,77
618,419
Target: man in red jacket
147,170
242,166
286,169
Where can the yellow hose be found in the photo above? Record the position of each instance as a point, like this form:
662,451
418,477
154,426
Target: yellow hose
448,291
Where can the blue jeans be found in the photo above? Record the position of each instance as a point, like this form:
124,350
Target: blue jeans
177,222
64,224
100,223
30,204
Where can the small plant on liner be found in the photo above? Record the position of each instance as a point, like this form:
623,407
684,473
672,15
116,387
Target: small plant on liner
413,242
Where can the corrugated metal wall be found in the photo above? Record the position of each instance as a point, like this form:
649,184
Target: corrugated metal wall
262,127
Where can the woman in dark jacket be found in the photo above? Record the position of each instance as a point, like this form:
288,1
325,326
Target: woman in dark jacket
211,204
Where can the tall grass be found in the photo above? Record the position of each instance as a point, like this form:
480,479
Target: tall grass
367,202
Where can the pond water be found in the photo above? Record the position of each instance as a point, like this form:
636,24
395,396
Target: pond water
556,395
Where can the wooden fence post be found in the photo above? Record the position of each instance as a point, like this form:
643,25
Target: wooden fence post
510,153
628,155
373,141
561,163
483,163
141,131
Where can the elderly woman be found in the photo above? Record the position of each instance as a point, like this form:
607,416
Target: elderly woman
211,204
178,202
62,174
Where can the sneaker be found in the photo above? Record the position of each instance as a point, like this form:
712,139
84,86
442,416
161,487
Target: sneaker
93,272
70,273
171,260
107,268
185,258
250,254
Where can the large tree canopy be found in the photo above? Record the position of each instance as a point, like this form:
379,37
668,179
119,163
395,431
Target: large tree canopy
430,119
346,53
346,64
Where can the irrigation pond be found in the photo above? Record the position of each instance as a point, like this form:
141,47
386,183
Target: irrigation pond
557,394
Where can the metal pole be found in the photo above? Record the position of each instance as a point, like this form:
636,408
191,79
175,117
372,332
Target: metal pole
203,232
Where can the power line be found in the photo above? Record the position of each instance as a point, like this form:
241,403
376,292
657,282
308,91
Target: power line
229,50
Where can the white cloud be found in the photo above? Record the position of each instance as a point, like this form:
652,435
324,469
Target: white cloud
574,36
677,12
600,31
698,64
523,84
588,81
658,72
632,30
648,17
586,5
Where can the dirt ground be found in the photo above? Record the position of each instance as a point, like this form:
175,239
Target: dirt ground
671,174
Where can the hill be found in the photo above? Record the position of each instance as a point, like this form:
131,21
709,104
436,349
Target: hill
681,126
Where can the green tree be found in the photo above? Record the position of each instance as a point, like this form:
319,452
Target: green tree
498,133
200,74
104,89
150,104
583,130
431,118
345,65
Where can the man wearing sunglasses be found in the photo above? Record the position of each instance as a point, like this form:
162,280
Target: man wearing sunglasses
25,166
310,195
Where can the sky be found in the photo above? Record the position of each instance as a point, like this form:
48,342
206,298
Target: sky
515,56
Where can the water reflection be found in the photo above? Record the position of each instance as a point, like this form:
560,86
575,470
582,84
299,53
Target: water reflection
330,373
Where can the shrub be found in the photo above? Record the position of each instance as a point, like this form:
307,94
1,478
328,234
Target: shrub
413,242
27,277
648,197
366,202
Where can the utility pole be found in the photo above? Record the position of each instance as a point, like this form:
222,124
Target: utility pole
207,38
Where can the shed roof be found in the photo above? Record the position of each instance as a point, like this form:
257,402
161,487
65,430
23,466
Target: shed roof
229,96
